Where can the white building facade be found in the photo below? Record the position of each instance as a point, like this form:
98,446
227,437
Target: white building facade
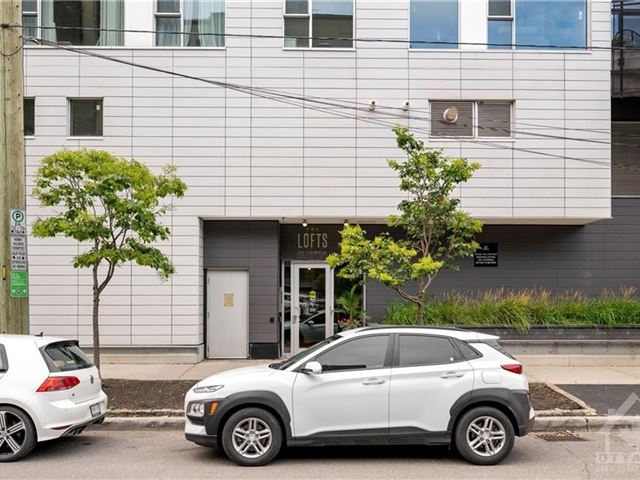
274,172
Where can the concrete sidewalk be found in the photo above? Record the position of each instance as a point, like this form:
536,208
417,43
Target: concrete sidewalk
592,370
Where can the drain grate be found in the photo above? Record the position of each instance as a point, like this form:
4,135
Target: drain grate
560,437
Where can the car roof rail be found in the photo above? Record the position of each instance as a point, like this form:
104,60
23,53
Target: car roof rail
426,327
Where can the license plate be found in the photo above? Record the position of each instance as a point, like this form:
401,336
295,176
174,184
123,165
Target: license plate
95,410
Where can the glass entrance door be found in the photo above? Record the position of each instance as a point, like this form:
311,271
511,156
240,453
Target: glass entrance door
311,317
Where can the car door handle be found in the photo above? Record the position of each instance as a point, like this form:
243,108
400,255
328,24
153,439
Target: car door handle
374,381
452,375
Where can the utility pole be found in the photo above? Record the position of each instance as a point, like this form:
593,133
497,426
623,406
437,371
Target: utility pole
14,305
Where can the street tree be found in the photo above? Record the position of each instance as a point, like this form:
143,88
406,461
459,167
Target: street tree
112,206
429,232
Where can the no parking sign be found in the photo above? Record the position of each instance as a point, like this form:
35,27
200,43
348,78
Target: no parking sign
18,276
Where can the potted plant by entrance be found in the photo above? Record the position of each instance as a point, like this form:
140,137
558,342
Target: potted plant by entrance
351,313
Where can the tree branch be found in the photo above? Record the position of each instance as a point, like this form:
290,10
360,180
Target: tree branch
405,295
108,277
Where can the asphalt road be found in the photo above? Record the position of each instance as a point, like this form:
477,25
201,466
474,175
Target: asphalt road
622,398
164,454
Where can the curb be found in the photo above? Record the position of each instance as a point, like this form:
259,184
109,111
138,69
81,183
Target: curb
542,424
584,410
600,423
142,423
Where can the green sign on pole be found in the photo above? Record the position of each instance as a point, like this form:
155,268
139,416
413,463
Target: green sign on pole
19,284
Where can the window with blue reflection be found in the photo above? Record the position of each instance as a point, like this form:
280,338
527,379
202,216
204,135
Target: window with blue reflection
544,24
500,33
434,24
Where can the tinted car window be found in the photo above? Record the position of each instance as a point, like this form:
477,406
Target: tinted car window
468,351
4,364
426,350
62,357
360,354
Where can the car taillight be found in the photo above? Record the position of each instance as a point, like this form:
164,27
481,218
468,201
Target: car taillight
513,368
53,384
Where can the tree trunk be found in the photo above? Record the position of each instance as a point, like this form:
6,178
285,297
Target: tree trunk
420,303
95,320
420,314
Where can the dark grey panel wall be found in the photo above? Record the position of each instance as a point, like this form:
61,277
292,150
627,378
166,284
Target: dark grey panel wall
590,258
625,158
252,246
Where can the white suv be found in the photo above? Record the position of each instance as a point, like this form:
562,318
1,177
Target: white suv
48,389
389,385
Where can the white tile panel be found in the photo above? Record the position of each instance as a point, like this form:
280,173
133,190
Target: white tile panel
245,156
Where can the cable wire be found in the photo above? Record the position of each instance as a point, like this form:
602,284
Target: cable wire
506,46
301,102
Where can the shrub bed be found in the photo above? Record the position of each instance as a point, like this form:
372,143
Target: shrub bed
523,309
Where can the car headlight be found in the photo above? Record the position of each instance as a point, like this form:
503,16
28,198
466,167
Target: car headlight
195,409
207,388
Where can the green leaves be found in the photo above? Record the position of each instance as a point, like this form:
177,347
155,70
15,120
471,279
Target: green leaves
111,203
431,231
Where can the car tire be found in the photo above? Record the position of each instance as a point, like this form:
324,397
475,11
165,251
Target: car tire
252,437
17,434
484,436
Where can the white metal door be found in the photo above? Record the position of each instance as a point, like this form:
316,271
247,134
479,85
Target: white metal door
311,304
227,314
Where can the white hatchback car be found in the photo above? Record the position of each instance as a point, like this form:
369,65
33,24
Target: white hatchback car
372,385
48,389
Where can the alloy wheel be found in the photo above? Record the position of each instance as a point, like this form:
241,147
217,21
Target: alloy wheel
252,437
13,434
486,436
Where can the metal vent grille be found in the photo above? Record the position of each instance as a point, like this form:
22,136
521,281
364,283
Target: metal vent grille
461,127
494,119
560,437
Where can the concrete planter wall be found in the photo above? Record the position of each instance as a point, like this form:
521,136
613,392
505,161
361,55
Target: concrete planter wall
567,341
542,332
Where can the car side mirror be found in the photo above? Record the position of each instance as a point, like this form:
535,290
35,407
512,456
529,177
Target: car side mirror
312,368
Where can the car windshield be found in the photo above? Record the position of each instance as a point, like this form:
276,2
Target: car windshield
283,365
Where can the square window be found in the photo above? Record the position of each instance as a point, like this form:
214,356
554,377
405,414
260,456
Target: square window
190,23
85,117
332,23
329,24
29,117
551,24
500,34
83,22
29,6
296,32
164,25
297,7
452,119
30,25
499,8
168,6
434,23
494,119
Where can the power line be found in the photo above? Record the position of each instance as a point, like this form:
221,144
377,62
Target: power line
289,99
294,100
331,102
506,46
